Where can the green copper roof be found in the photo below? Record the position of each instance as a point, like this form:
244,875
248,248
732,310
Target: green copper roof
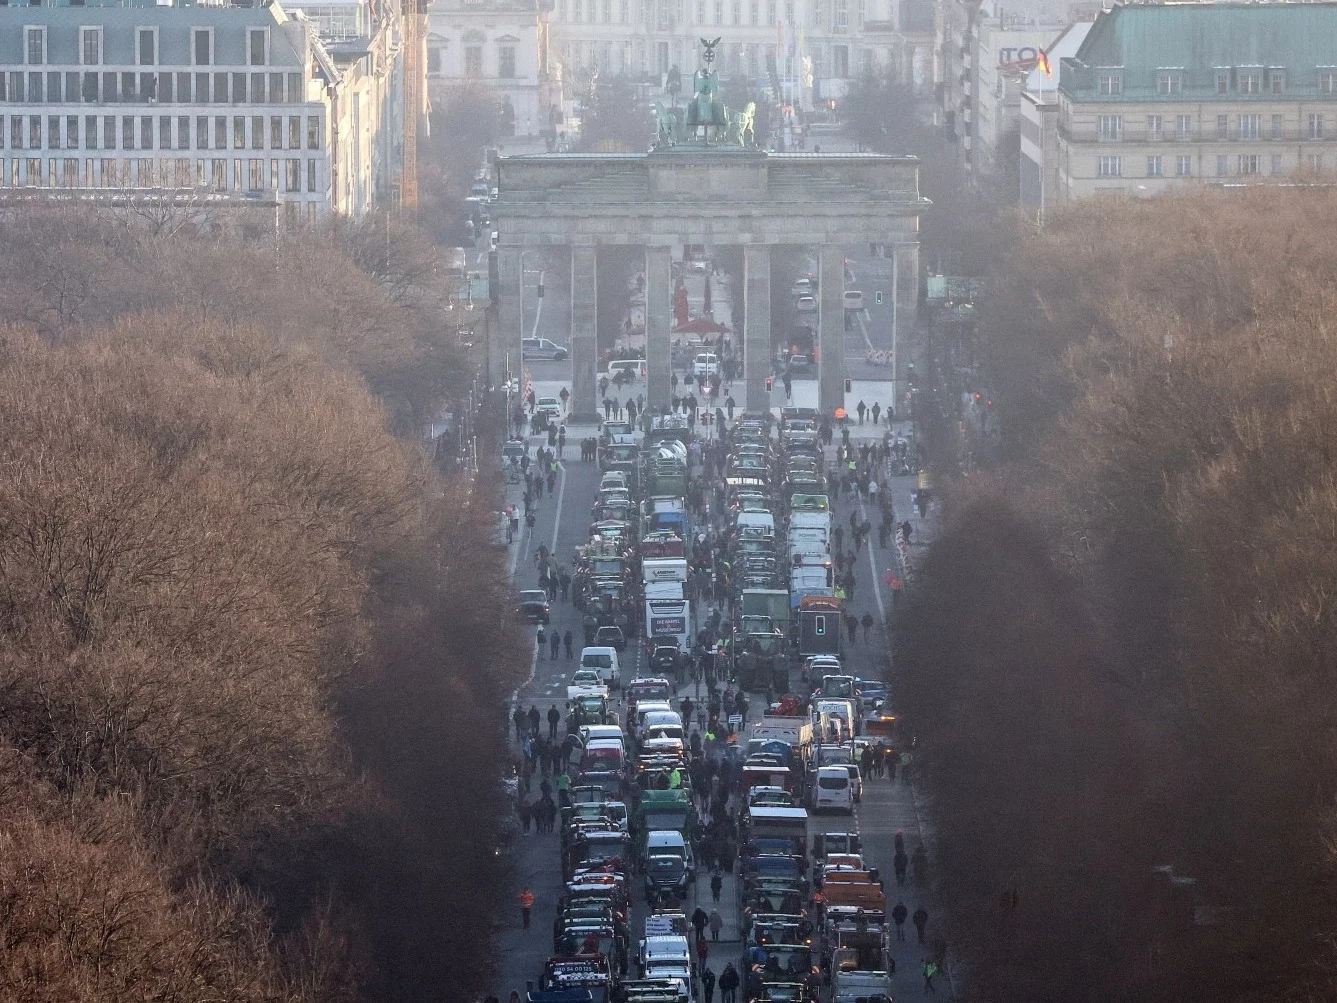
1201,38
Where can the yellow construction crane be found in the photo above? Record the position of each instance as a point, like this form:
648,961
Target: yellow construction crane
413,11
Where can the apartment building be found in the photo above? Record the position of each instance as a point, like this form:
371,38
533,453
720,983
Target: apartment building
229,100
1165,96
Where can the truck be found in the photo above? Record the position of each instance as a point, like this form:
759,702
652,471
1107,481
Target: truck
669,616
820,621
773,603
810,580
663,569
796,731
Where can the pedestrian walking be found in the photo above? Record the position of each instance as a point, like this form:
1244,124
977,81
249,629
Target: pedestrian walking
716,886
866,621
526,906
555,644
898,915
555,715
542,642
702,951
519,718
920,920
877,410
901,862
729,984
861,408
569,642
533,710
716,924
708,985
525,813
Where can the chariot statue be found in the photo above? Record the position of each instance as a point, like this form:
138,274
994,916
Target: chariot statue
706,114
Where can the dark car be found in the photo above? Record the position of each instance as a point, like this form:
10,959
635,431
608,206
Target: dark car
610,637
664,656
666,878
533,606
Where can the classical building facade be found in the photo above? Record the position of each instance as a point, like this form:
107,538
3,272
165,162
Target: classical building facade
233,101
803,51
500,43
1159,97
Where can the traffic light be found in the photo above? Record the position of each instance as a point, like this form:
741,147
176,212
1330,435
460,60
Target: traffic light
540,290
769,383
877,297
847,384
988,403
978,396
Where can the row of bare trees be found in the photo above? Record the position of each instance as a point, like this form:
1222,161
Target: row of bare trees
1120,659
248,735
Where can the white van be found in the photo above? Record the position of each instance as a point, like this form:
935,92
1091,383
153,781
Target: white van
669,957
602,660
602,733
832,790
662,724
706,364
633,368
808,519
756,519
853,299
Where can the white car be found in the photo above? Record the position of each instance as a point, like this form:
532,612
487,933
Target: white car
550,406
706,364
806,304
853,299
801,287
586,683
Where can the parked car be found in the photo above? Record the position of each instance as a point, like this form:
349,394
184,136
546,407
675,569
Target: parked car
806,304
534,606
853,299
550,406
542,348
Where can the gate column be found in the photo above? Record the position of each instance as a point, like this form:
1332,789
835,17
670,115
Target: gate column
756,326
658,317
831,327
584,342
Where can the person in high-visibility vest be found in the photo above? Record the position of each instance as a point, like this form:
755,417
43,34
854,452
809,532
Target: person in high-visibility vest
526,906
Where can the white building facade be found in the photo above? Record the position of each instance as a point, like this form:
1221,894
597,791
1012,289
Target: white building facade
239,101
802,50
500,43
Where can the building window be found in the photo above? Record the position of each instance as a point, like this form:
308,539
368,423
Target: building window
146,132
1222,126
1110,127
1278,127
1154,167
201,88
1169,83
165,132
1222,165
255,175
1327,81
90,88
127,133
275,133
1154,128
434,60
1314,162
1276,163
239,133
294,132
1251,83
754,14
91,49
90,132
1183,166
607,11
148,47
473,61
257,86
1250,126
1223,81
1110,82
292,175
311,175
53,132
624,11
183,88
1109,167
506,62
36,46
257,47
203,47
202,134
257,132
1184,126
1250,163
1276,81
183,132
109,132
1315,126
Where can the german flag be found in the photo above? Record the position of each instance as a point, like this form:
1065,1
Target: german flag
1043,65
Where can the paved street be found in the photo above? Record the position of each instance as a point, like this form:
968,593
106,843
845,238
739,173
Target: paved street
887,808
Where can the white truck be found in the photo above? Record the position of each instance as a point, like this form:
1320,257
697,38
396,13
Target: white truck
669,616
